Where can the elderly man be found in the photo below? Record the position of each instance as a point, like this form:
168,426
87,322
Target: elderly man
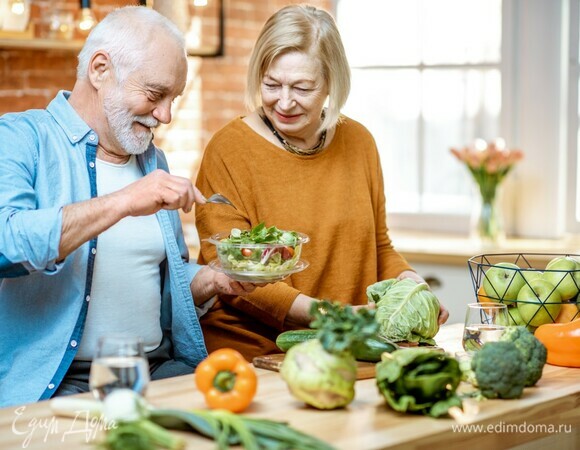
90,237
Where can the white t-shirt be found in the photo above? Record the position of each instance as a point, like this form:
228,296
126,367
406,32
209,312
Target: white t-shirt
126,290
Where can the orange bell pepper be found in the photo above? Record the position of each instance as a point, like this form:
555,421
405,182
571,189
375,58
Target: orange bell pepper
568,313
562,340
227,380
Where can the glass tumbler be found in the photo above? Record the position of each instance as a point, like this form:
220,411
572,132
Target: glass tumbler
484,322
119,363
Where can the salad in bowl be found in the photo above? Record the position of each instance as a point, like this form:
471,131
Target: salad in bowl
262,254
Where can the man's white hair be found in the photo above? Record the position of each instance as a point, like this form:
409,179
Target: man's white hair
126,34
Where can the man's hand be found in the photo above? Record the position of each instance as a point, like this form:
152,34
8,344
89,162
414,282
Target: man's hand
83,221
159,190
208,282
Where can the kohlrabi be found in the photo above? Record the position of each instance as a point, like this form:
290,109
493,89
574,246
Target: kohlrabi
322,371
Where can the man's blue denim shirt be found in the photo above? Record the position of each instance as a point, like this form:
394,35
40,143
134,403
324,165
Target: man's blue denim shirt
47,160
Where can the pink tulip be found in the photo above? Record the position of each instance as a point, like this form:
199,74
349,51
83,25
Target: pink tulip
493,159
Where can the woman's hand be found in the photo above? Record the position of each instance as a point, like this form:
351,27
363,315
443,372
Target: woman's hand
412,275
443,313
299,314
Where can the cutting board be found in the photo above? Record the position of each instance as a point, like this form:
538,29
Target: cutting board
364,370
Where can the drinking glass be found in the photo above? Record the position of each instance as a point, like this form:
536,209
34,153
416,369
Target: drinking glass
484,322
119,363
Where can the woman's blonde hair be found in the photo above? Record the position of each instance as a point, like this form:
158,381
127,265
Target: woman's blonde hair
306,29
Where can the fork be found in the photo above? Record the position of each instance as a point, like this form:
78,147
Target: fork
219,198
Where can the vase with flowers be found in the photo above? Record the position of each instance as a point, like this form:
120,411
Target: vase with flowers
488,164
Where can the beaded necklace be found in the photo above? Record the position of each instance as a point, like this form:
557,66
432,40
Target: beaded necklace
292,148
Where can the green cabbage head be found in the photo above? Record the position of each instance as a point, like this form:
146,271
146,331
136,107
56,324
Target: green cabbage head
406,310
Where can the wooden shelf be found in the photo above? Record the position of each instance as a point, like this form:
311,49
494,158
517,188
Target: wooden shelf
76,45
42,44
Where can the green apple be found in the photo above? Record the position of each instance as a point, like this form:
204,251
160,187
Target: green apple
561,272
502,282
531,274
539,302
513,318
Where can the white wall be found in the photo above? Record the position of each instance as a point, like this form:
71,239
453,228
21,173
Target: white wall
535,92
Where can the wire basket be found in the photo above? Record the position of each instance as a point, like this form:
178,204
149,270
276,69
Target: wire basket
538,288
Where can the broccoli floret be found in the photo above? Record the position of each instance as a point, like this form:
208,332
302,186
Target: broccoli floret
532,350
500,370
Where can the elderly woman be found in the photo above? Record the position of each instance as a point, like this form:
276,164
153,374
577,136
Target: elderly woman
297,165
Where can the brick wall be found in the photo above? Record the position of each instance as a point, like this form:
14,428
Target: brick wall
31,78
215,91
213,96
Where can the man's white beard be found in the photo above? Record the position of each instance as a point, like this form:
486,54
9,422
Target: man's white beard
121,122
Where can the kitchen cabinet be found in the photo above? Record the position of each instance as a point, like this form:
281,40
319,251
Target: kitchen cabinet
452,286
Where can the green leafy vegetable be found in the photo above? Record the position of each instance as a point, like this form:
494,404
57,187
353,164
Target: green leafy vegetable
261,249
260,234
340,327
406,310
419,380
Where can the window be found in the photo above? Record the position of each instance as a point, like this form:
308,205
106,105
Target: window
426,77
573,185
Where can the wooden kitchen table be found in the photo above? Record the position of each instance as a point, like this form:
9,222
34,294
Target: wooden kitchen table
548,414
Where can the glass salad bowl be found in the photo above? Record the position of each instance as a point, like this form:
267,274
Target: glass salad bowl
260,255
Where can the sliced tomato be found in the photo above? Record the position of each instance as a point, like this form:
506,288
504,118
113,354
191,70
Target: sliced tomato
287,252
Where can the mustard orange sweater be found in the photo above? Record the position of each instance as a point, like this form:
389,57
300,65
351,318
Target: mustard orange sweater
335,197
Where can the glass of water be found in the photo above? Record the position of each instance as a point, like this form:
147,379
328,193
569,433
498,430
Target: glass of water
484,322
119,363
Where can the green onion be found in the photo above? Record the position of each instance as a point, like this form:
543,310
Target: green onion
228,428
